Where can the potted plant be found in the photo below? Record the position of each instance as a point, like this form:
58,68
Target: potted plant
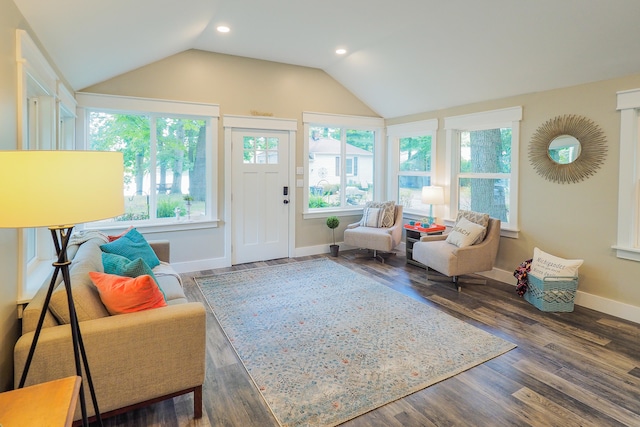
332,223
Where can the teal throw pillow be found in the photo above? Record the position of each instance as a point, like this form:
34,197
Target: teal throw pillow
121,266
132,245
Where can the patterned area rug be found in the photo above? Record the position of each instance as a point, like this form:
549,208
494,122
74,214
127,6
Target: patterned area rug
324,344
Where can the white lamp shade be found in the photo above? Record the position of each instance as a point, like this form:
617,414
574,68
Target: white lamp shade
433,195
56,188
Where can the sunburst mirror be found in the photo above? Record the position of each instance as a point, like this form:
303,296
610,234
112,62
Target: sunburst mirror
567,149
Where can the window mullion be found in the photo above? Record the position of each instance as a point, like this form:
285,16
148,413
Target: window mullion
153,194
343,167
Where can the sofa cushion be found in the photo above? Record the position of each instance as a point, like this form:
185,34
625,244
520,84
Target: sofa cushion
132,245
464,233
128,294
85,295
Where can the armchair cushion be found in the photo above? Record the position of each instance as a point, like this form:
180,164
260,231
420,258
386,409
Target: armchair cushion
465,233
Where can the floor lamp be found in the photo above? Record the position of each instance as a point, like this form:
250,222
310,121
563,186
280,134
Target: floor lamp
55,189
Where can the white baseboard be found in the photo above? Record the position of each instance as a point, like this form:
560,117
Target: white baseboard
199,265
583,299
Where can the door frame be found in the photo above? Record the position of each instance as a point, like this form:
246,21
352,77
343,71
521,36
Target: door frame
232,123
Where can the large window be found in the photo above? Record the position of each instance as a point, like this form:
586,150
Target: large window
167,149
341,156
412,162
482,160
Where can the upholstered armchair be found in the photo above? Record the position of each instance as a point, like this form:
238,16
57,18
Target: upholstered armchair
376,238
454,261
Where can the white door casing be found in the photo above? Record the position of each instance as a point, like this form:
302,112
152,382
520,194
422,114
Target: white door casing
260,220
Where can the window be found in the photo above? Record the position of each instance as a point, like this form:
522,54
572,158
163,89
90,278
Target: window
341,161
168,150
482,157
45,122
412,154
628,241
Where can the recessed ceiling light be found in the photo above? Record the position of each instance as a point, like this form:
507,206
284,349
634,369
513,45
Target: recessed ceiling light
223,29
341,51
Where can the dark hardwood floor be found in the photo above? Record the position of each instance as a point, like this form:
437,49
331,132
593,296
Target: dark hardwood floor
570,369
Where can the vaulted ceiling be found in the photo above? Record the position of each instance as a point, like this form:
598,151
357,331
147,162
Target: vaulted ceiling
403,56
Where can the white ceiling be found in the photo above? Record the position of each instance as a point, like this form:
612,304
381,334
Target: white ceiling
404,56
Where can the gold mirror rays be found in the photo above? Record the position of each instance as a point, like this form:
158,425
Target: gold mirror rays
592,154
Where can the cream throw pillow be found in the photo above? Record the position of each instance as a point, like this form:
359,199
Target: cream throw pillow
387,212
478,218
370,217
464,233
544,265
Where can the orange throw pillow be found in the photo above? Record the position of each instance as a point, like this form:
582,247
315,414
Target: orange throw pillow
127,294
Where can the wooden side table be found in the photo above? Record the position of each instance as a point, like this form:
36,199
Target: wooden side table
50,404
412,235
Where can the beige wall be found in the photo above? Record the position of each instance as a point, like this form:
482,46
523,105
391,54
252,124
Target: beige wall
569,220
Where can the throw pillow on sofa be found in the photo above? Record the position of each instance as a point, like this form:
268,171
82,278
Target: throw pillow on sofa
132,245
127,294
121,266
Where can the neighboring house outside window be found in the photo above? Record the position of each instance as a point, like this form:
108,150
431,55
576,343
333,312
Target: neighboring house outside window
412,153
168,150
482,161
628,240
341,156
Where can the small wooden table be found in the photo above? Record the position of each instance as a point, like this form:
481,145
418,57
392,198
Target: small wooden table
412,235
50,404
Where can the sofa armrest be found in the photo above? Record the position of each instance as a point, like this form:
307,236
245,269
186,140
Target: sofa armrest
132,357
354,225
162,248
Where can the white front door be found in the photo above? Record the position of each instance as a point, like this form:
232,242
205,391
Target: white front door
259,205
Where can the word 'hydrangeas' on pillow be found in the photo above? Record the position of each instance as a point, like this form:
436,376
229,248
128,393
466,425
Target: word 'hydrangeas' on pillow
544,265
387,212
370,217
477,218
464,233
122,295
132,246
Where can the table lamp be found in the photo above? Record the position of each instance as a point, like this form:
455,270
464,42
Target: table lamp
432,195
58,189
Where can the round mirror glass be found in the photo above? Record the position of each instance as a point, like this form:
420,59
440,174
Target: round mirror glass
564,149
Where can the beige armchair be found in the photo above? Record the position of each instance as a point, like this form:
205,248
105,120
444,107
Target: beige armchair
436,253
376,239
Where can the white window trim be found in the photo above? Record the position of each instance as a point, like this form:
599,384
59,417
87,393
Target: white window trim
506,117
339,120
90,101
34,69
409,130
628,241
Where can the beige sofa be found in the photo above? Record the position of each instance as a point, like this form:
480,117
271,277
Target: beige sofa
135,359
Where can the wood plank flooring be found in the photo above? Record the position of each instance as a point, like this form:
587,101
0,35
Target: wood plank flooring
570,369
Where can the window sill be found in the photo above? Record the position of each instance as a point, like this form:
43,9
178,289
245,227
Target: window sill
510,233
632,254
332,212
160,227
